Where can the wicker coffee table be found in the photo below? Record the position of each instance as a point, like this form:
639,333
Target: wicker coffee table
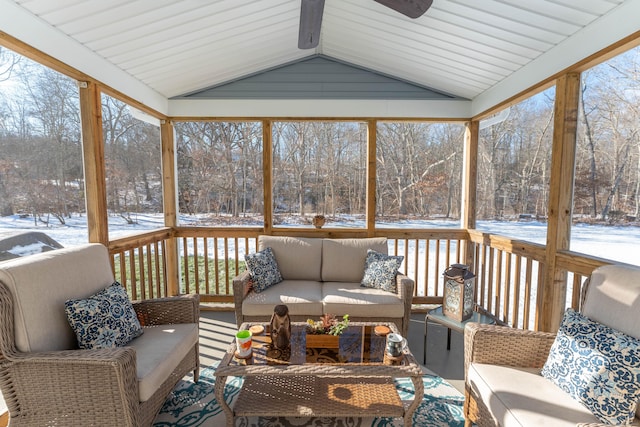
318,378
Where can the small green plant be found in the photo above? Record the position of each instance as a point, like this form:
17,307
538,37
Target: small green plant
328,324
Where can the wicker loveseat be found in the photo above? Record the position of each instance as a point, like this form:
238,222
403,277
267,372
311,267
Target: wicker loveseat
503,381
322,276
44,377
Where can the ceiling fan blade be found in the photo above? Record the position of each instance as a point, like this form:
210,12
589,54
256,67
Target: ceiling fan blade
310,23
411,8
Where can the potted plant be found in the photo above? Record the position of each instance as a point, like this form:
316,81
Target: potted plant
326,332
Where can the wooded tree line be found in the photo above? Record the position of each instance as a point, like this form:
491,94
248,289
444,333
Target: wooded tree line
317,167
41,170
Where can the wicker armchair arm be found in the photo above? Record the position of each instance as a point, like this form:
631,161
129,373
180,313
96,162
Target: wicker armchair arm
170,310
405,286
82,379
241,287
502,345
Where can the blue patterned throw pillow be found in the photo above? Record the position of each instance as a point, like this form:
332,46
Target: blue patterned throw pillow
598,366
263,269
104,320
380,271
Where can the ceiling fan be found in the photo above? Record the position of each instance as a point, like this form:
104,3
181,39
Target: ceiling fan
311,17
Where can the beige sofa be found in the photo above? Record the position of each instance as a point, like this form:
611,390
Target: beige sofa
44,377
503,383
322,276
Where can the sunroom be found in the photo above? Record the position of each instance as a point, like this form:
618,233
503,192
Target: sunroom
421,117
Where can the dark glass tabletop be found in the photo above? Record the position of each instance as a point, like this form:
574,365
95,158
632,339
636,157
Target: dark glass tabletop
358,344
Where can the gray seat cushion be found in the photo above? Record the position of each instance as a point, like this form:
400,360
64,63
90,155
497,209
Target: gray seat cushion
521,397
350,298
159,351
303,297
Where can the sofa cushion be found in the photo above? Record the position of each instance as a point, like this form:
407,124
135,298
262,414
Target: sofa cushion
380,271
341,298
103,320
343,259
298,258
263,268
303,297
159,351
73,272
612,298
598,366
521,397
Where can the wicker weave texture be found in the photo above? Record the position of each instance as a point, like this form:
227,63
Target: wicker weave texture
318,396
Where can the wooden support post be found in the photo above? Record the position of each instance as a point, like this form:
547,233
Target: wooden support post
170,204
469,185
553,289
370,214
267,172
95,185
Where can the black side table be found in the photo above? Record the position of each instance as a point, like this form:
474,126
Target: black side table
436,316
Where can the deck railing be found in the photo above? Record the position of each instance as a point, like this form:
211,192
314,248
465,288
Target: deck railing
507,271
140,263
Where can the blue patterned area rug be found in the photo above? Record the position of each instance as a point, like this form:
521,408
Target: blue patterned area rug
194,405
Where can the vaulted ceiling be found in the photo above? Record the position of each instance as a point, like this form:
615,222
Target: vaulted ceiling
479,51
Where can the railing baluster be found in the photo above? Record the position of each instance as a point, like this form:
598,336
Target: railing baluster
435,272
196,267
216,258
498,284
506,300
185,263
226,266
427,251
516,291
132,274
205,246
527,292
156,257
141,275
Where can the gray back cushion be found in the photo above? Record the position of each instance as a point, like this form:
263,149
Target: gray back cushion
343,259
298,258
40,284
613,298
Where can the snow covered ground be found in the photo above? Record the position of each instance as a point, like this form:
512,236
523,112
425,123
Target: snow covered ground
617,243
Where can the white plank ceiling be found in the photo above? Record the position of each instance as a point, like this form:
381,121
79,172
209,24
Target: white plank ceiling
459,47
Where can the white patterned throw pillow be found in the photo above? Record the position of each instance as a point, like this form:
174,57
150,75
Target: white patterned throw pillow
598,366
104,320
380,271
263,268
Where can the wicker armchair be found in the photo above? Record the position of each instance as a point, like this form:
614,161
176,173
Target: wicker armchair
46,380
511,359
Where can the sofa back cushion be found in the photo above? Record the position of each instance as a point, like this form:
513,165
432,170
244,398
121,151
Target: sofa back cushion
298,258
343,259
613,298
40,284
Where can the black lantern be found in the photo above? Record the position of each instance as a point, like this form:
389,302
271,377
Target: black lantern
458,299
